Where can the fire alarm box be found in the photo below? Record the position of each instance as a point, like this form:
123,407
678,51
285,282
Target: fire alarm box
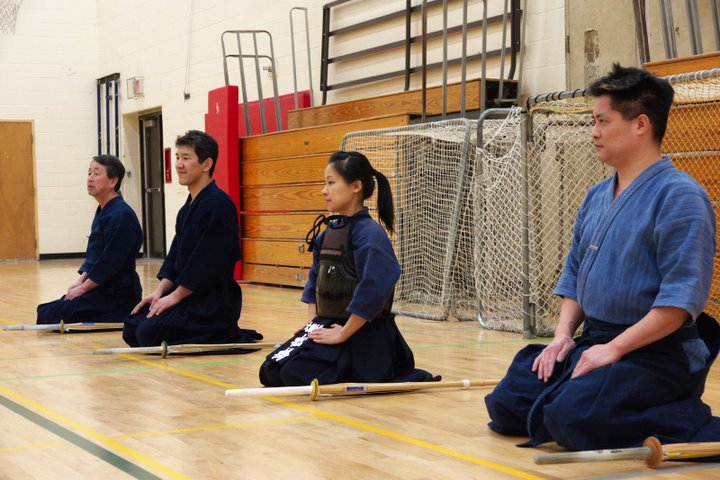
168,166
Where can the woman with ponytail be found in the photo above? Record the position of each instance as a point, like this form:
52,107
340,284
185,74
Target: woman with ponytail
351,335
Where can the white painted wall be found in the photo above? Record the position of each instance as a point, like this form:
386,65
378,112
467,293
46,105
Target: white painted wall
47,74
48,71
544,47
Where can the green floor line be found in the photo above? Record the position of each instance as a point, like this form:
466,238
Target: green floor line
660,473
471,344
224,362
74,374
83,443
26,358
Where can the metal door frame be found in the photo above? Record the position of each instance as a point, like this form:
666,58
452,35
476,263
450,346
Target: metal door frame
144,181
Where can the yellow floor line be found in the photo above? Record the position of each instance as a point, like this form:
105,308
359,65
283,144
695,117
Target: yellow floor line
354,423
8,322
216,427
31,447
178,371
88,432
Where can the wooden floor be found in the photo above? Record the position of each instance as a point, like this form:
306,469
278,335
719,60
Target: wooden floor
67,414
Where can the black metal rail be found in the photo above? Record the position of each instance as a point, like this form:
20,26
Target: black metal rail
406,43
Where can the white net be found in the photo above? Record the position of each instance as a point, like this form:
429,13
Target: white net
532,188
498,196
466,213
526,196
429,167
8,16
562,166
483,232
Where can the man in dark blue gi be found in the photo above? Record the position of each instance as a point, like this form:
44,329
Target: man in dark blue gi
197,299
637,278
108,286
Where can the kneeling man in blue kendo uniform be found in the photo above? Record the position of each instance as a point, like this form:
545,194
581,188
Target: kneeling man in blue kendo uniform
197,299
108,286
637,278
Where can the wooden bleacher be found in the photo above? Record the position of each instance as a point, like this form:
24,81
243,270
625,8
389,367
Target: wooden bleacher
282,173
693,63
398,103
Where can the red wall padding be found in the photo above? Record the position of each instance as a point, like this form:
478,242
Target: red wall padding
287,103
221,122
225,121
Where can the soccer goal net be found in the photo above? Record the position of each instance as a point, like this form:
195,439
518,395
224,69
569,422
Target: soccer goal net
486,208
428,166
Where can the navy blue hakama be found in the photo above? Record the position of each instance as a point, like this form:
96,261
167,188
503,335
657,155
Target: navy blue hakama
375,353
652,391
202,259
114,242
649,247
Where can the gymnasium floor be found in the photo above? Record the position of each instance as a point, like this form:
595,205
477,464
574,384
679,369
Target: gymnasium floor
67,414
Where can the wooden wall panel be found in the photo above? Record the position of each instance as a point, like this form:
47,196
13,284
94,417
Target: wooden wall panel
693,63
277,252
304,169
706,170
306,197
291,143
692,128
402,102
281,195
279,226
288,276
703,168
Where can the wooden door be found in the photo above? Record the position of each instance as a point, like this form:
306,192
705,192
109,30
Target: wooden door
18,236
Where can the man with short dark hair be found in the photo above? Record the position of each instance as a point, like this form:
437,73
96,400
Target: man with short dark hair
198,299
637,278
108,286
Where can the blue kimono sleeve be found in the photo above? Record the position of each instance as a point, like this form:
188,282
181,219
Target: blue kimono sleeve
123,239
217,247
167,270
378,271
89,262
567,283
685,238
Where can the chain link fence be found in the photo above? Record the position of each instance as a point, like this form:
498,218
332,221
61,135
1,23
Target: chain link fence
693,142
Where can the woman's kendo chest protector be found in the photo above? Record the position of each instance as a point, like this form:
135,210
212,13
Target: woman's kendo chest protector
336,277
